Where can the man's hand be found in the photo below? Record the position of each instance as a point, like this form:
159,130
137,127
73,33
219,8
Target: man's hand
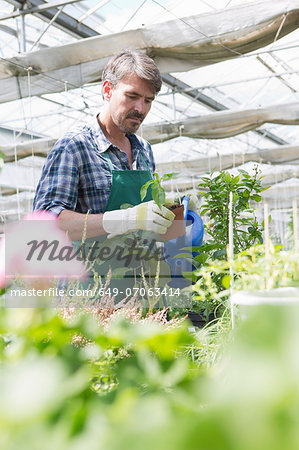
145,216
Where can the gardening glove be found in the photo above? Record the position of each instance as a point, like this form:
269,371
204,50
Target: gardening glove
145,216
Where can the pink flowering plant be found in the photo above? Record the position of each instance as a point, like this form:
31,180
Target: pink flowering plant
35,250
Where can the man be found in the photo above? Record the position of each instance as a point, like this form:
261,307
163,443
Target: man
98,167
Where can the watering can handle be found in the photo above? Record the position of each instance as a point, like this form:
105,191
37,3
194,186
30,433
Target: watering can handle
185,202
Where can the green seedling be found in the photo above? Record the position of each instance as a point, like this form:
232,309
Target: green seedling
158,191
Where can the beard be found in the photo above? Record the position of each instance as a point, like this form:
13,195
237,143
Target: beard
130,127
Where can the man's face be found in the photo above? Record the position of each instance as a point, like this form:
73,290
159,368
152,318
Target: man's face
129,102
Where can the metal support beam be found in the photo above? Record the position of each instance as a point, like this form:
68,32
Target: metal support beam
92,10
39,8
36,42
203,99
8,30
271,69
64,22
194,94
23,34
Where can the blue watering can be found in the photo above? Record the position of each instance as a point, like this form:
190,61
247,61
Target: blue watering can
172,248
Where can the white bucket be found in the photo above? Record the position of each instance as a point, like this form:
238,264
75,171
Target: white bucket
247,299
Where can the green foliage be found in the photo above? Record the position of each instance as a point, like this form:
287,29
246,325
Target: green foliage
246,230
210,342
210,293
211,281
161,399
254,270
65,383
257,385
126,206
158,192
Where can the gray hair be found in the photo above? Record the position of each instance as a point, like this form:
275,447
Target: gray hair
128,62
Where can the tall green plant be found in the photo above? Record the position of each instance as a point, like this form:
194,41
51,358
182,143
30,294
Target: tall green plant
209,289
216,191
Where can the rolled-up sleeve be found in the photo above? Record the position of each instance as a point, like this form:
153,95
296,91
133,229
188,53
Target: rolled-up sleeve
58,185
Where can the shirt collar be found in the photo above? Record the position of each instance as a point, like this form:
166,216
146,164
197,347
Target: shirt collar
101,140
104,143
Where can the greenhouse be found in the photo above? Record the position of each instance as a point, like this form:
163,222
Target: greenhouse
149,242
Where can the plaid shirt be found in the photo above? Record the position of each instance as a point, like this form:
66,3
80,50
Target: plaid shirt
76,174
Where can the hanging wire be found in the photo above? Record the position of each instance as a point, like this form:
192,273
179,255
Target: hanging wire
222,45
276,37
92,10
235,52
261,89
17,177
209,5
173,104
66,105
209,161
29,70
193,184
277,207
243,157
172,186
133,15
269,52
46,76
229,83
47,27
178,192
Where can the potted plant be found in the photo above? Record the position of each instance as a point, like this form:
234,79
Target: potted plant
259,279
265,279
211,280
177,228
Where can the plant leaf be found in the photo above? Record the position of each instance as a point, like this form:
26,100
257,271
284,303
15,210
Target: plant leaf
226,281
126,205
144,188
158,194
167,176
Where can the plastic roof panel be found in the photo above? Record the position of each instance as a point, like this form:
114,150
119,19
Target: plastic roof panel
264,77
